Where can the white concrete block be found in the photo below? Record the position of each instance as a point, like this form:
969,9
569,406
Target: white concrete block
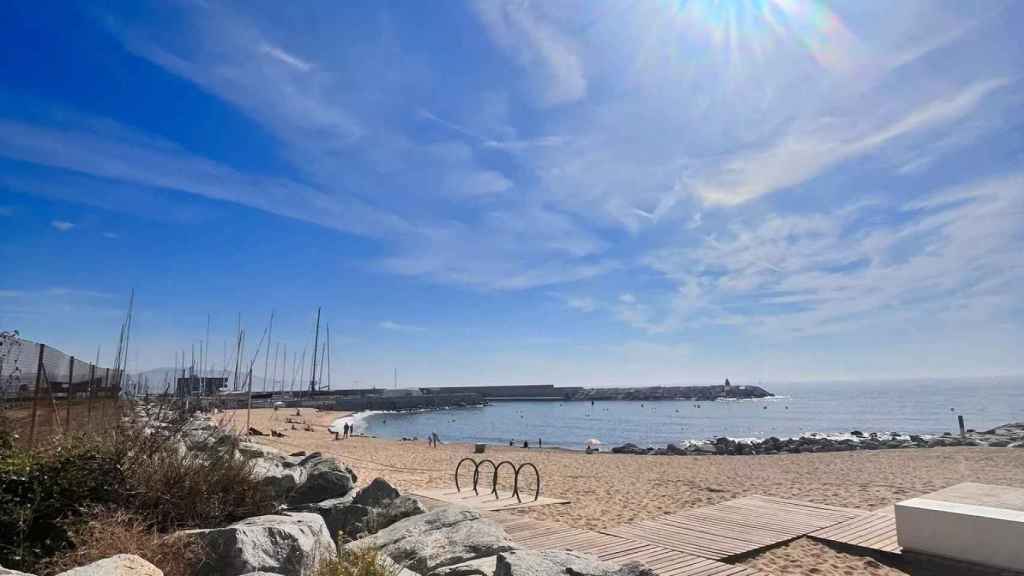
977,523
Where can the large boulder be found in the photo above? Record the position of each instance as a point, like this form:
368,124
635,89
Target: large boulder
302,479
324,479
562,563
378,506
444,537
272,474
356,515
335,513
289,544
120,565
376,493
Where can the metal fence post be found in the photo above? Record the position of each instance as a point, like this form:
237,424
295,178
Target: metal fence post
92,380
67,399
107,380
35,398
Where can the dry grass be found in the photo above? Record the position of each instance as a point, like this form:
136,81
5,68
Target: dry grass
363,562
176,489
147,480
116,532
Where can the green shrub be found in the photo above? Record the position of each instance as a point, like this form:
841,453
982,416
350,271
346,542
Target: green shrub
361,562
49,494
42,494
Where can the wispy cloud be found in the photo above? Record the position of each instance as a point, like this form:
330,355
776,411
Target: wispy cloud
399,327
365,171
818,273
508,145
804,153
111,235
549,57
19,305
282,56
62,225
581,303
110,151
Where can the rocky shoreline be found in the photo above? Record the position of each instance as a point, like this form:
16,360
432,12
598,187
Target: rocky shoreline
1005,436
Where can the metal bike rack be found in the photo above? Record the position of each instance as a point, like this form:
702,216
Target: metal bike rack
536,472
476,475
516,470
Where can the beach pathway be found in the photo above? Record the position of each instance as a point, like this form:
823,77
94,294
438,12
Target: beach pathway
735,527
540,535
874,530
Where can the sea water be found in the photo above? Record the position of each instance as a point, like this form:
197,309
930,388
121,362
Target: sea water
834,409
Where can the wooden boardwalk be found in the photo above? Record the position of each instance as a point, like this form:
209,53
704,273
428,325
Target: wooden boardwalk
874,530
735,527
539,535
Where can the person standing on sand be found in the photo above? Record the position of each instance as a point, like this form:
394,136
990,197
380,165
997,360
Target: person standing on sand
435,438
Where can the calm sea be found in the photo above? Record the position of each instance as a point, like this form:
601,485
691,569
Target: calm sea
918,407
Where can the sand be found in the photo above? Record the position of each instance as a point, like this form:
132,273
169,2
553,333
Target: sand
607,490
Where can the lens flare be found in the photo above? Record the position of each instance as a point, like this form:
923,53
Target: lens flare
755,28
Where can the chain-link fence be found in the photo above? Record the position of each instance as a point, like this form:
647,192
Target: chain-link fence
44,392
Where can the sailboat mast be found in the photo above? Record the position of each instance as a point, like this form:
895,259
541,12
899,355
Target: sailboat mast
266,357
238,353
316,344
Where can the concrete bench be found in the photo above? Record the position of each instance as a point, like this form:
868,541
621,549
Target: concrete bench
978,523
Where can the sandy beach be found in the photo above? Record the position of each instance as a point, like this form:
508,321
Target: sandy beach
607,490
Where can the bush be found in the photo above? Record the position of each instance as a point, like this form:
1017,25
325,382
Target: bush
49,496
42,494
111,532
363,562
183,489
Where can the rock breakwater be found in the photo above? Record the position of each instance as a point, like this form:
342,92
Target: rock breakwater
1005,436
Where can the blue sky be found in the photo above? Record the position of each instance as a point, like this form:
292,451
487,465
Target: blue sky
519,192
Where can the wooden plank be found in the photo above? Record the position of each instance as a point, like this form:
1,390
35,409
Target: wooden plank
738,531
807,504
874,531
736,527
665,561
671,537
764,515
